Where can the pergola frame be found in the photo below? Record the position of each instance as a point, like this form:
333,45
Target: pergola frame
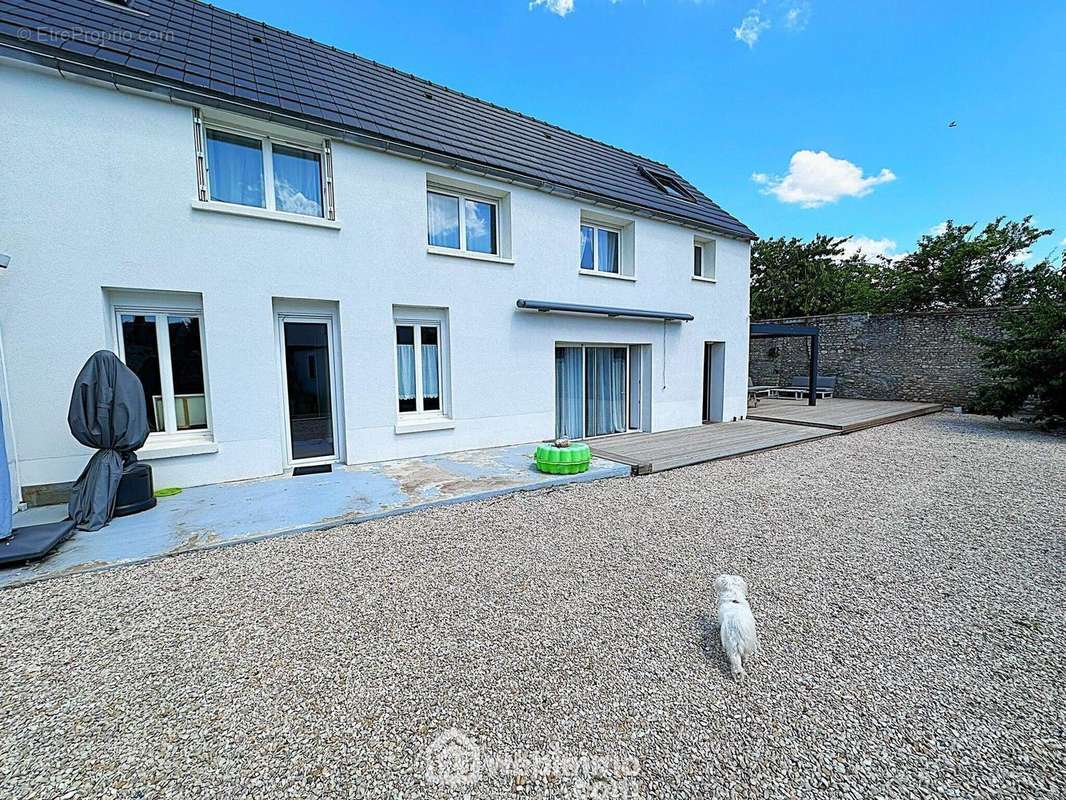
771,330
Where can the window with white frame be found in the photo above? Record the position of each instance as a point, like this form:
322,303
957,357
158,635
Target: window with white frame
601,248
461,221
421,366
703,256
245,168
164,347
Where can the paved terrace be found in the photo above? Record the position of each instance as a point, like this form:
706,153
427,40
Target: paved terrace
243,511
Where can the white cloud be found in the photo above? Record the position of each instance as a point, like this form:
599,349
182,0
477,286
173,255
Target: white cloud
937,229
797,17
815,179
1063,242
751,28
871,247
560,7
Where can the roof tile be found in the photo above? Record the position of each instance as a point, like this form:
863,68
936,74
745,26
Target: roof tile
195,44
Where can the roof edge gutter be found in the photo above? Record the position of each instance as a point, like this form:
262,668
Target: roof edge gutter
546,306
161,89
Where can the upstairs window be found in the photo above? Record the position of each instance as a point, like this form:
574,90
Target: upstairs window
463,222
703,254
259,171
600,249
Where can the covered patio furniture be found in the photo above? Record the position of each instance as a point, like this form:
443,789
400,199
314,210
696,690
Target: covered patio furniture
107,412
29,542
799,387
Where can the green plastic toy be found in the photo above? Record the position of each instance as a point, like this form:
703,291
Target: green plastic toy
563,460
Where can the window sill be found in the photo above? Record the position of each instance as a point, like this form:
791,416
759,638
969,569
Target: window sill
703,279
153,451
447,251
262,213
612,275
421,425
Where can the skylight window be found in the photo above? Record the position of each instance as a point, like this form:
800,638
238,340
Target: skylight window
667,183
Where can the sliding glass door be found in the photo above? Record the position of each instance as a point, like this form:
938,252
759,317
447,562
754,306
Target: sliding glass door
605,390
569,393
592,384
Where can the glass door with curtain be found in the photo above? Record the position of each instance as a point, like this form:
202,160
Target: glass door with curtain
307,351
605,390
569,392
592,384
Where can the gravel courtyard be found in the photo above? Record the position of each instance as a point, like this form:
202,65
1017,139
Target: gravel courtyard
908,582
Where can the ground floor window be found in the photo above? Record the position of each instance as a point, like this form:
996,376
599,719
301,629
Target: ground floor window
597,390
165,350
420,366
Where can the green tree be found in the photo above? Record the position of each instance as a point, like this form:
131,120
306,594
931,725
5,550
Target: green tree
1029,364
956,268
794,278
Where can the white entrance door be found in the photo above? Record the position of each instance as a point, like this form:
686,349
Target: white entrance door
309,383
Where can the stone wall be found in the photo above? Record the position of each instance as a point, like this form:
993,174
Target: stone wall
921,356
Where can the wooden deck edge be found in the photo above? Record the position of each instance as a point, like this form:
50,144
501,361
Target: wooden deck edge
899,416
823,425
665,466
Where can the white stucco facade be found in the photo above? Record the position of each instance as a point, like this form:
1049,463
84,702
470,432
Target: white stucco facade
98,190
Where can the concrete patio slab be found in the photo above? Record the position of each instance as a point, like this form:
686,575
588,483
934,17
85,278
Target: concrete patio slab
243,511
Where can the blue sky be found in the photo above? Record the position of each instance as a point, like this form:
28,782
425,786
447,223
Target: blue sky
797,116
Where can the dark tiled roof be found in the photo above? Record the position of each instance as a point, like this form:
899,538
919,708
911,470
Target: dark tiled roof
195,46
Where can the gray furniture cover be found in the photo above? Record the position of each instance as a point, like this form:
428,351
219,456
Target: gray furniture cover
107,412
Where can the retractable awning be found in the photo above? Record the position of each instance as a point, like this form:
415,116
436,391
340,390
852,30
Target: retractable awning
545,306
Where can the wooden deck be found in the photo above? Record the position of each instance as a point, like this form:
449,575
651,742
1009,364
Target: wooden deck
655,452
839,414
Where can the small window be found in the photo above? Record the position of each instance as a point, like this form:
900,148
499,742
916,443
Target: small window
249,170
165,350
667,183
600,249
419,367
703,265
476,229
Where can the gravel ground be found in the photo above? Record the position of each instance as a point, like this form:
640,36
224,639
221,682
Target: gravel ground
908,583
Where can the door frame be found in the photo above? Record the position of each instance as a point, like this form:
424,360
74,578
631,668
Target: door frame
713,382
626,398
330,321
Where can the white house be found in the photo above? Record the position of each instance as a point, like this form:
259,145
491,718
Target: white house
308,257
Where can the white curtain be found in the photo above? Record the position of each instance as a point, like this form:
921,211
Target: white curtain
569,392
235,169
605,374
608,251
430,370
405,370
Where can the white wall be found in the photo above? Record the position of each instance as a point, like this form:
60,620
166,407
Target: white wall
101,195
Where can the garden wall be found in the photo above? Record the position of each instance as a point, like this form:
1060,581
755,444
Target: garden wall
925,356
